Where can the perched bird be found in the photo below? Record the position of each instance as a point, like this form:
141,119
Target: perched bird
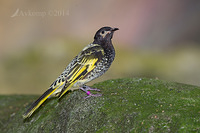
93,61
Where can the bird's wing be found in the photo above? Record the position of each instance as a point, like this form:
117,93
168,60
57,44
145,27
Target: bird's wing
85,62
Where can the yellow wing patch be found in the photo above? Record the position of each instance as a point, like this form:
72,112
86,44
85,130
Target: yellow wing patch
88,66
85,64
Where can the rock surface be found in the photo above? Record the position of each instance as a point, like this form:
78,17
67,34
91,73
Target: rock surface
127,105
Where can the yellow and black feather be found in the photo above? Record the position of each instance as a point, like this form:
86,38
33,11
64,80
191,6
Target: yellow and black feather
85,63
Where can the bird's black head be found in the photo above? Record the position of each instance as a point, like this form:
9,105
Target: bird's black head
104,35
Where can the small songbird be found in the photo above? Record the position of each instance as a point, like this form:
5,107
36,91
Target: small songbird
93,61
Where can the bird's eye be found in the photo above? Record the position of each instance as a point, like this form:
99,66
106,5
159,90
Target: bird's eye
102,32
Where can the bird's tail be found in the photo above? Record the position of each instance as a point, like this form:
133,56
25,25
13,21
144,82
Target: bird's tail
37,103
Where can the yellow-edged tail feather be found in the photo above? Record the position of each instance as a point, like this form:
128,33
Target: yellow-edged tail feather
37,103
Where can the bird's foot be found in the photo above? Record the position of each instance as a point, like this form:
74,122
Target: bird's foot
86,90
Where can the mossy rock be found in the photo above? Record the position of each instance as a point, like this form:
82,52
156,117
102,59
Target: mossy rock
127,105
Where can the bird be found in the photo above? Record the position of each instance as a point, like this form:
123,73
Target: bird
93,61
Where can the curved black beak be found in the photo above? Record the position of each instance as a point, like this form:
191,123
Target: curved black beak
114,29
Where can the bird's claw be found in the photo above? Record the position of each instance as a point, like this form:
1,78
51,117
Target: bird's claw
93,95
86,90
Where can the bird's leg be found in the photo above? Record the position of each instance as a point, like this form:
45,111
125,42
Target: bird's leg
86,90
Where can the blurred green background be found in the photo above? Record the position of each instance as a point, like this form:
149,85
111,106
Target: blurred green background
157,39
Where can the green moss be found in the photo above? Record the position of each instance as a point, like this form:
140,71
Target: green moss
127,105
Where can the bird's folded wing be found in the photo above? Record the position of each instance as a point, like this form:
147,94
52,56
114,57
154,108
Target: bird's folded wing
85,63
